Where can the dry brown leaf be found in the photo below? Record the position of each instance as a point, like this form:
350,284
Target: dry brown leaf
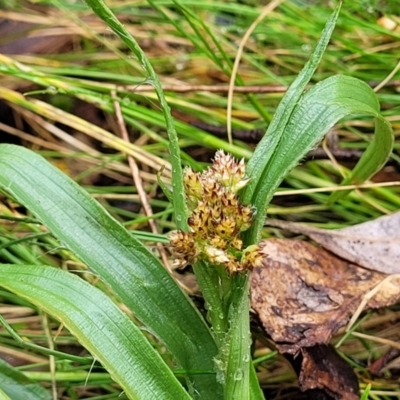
323,370
304,294
374,245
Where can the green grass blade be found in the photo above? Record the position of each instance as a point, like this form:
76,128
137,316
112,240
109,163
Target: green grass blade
110,251
268,145
40,349
102,328
318,110
366,392
16,385
255,388
103,12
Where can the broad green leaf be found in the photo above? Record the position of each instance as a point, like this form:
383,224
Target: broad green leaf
102,328
276,129
16,385
316,112
136,276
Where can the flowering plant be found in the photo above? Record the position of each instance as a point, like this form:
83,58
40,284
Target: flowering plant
219,235
217,218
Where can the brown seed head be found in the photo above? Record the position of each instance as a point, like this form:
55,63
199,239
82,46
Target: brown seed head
217,217
193,185
229,172
183,247
252,257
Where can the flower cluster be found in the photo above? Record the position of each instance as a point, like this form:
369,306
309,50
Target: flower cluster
217,218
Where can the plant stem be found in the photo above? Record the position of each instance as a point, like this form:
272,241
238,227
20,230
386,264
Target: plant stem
228,305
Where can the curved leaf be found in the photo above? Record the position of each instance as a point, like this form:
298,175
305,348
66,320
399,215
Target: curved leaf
135,275
373,159
102,328
16,385
267,146
317,111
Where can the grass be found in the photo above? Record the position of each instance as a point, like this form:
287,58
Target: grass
188,43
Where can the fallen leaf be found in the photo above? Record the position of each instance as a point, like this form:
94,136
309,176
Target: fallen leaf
323,374
374,244
303,294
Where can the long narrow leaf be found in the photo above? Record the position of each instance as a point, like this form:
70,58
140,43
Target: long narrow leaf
105,331
255,388
268,146
317,111
374,157
16,385
110,251
102,11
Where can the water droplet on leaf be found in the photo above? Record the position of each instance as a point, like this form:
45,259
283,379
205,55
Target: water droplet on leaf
238,376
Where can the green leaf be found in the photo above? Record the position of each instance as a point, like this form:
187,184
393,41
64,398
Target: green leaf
255,389
365,395
373,159
268,146
102,328
41,349
16,385
3,395
317,111
110,251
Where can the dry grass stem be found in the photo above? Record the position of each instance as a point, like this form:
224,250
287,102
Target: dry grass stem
368,296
